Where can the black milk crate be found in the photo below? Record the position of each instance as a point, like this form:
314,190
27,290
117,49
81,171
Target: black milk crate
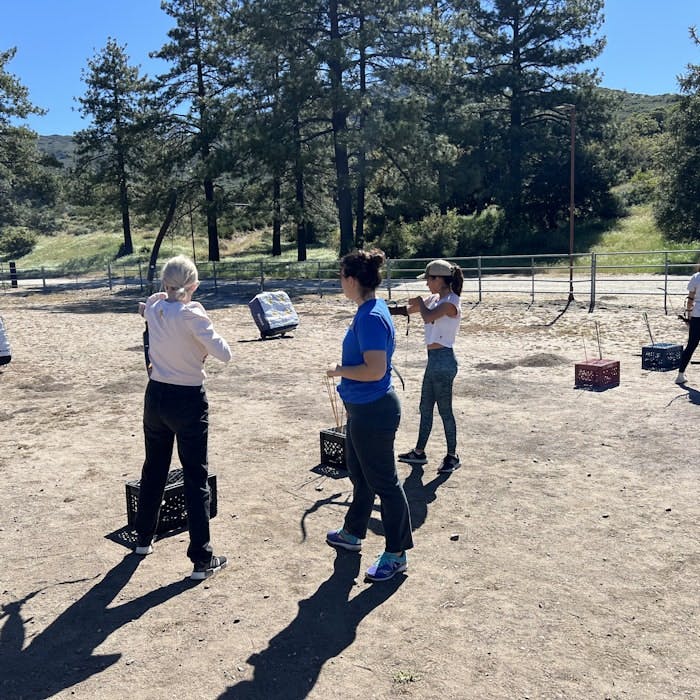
173,513
661,357
333,447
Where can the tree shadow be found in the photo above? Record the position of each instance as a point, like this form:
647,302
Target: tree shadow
63,654
324,627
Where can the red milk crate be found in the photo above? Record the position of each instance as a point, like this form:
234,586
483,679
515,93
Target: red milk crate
597,374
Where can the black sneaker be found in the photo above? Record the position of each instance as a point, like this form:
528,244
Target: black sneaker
206,569
450,464
413,457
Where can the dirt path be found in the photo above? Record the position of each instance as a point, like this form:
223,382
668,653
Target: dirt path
561,561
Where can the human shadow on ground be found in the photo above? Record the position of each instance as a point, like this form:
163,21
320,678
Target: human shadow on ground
326,624
63,655
420,495
693,394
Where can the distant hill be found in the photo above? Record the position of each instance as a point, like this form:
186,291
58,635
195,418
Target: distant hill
60,147
633,103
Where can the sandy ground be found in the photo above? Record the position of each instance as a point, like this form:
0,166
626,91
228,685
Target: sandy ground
561,561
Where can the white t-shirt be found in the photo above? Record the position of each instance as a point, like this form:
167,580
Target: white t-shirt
180,338
444,330
694,285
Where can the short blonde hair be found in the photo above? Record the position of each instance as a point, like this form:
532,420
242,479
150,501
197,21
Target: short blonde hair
180,275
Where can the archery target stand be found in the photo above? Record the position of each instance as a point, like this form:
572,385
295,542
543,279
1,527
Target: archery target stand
660,357
597,375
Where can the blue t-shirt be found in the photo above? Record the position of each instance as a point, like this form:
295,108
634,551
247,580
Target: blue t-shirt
371,329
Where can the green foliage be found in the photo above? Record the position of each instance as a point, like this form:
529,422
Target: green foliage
480,233
444,235
437,118
641,188
678,207
16,243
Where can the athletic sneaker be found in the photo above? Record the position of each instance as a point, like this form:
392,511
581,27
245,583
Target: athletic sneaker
342,539
680,379
413,457
206,569
144,549
450,464
387,566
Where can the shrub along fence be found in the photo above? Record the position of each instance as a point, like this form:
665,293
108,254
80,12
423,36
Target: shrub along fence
586,277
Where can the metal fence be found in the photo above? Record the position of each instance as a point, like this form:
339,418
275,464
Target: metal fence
590,276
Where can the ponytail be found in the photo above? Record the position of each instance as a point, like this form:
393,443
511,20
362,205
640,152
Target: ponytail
457,280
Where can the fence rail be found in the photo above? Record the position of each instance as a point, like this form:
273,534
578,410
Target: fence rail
588,277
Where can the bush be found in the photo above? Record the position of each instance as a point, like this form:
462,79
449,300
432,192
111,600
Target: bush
478,233
641,188
16,243
396,241
448,235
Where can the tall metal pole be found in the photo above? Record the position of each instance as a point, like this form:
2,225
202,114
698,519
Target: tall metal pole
572,121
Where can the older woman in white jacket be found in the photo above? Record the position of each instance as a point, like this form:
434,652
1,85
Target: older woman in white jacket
181,336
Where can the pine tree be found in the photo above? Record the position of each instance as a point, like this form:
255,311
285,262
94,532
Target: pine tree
109,148
192,95
529,56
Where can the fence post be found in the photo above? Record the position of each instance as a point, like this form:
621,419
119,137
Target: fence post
318,277
591,306
388,277
216,279
262,277
140,278
478,267
109,276
665,282
532,274
13,275
43,278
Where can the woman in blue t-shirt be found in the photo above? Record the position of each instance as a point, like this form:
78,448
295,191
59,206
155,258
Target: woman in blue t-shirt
374,414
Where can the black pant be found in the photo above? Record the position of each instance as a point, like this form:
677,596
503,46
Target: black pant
369,457
180,412
693,340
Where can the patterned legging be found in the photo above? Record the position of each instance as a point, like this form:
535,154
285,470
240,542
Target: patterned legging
440,373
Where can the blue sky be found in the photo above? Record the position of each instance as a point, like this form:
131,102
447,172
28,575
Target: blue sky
648,46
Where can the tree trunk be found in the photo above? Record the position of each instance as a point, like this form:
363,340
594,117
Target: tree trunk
212,230
299,209
124,206
161,234
339,125
362,151
276,216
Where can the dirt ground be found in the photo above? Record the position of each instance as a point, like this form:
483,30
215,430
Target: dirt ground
561,561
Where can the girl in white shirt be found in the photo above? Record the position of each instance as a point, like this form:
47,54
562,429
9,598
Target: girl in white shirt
692,314
441,314
181,336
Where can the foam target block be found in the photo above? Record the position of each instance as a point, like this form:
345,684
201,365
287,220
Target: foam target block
273,313
5,352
